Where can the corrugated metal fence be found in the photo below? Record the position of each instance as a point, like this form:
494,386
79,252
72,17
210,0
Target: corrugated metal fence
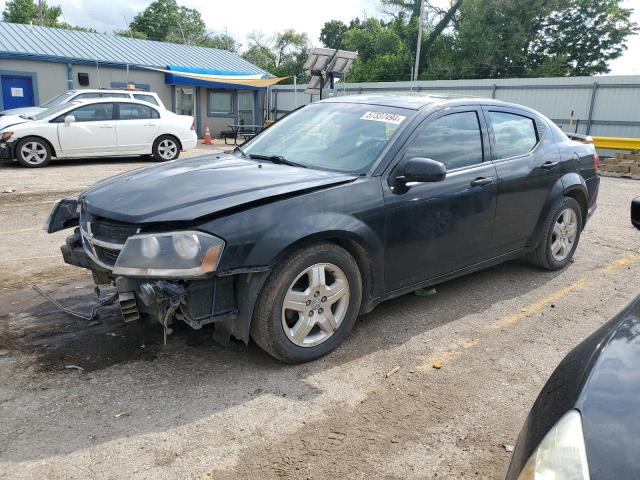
603,105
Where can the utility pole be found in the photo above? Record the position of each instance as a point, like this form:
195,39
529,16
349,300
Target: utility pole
415,69
40,13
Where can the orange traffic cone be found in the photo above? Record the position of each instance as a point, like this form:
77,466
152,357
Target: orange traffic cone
207,136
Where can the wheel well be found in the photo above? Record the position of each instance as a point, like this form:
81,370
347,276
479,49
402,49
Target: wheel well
579,197
53,150
355,249
169,135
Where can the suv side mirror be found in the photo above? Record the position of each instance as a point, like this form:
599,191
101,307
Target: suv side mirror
635,212
69,119
423,170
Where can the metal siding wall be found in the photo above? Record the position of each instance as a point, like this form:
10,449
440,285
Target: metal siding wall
555,97
52,77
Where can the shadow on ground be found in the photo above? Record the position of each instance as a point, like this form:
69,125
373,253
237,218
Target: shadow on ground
191,378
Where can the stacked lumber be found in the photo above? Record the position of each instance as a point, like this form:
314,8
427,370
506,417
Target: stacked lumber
622,163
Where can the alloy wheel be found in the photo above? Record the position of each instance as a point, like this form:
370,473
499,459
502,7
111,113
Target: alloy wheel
315,304
33,152
564,234
167,149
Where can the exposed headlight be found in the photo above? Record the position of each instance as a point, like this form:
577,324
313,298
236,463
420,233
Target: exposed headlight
5,136
561,453
64,214
169,255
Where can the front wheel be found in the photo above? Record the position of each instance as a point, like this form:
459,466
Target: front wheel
33,152
166,148
309,304
561,236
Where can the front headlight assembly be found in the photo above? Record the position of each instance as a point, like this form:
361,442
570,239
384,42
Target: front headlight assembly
561,454
169,255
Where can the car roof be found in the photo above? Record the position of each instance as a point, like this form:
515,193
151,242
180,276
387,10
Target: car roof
110,90
85,101
416,100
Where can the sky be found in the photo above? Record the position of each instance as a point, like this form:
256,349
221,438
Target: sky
245,16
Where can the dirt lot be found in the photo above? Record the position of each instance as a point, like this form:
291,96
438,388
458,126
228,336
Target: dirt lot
192,409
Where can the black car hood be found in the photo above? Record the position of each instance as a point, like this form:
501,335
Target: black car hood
184,190
610,402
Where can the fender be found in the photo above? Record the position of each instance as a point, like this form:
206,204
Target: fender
286,237
292,234
569,184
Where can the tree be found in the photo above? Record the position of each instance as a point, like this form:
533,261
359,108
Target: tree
282,55
164,20
26,11
332,34
584,36
221,41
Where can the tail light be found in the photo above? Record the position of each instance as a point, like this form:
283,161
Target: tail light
193,125
596,161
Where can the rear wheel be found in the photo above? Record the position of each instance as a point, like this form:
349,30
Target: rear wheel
309,304
166,148
33,152
561,236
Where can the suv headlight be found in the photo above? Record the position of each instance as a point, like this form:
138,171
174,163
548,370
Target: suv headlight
169,255
561,453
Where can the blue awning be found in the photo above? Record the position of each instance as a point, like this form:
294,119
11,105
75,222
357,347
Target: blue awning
202,77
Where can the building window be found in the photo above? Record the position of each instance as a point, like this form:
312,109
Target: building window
220,102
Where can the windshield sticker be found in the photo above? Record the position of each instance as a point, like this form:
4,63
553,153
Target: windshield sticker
383,117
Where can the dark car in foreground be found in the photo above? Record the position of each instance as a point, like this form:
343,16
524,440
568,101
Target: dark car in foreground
338,206
585,424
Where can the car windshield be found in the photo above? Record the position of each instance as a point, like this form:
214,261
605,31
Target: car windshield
346,137
52,111
59,100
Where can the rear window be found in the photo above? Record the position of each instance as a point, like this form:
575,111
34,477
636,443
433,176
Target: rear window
515,134
145,98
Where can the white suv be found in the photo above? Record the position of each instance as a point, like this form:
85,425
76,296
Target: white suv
69,95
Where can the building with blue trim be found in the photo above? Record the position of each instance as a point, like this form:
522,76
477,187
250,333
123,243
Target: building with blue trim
38,63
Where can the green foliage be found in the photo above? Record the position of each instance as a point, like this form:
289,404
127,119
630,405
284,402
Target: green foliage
164,20
486,39
221,41
283,55
27,11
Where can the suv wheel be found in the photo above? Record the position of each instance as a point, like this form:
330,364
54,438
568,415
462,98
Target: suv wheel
309,304
165,148
561,236
33,152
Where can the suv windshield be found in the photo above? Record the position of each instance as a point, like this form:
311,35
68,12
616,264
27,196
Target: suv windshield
347,137
59,100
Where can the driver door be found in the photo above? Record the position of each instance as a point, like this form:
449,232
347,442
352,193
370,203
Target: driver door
93,132
436,228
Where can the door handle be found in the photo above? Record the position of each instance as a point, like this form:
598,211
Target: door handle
549,165
106,126
150,125
481,181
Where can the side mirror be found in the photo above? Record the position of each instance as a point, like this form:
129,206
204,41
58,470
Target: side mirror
69,119
422,170
635,212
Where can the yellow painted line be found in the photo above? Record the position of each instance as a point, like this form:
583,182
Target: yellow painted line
20,230
438,359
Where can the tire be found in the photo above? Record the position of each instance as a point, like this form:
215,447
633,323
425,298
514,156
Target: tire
293,278
165,148
547,255
33,152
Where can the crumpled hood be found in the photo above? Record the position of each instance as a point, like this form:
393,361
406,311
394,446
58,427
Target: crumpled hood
11,120
183,190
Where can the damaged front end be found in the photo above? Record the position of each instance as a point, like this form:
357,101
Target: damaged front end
160,275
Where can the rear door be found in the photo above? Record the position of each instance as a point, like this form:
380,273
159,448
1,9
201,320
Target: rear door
136,128
92,134
528,164
436,228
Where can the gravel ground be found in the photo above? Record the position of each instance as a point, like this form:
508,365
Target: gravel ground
375,408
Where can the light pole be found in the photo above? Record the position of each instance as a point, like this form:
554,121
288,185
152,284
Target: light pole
417,65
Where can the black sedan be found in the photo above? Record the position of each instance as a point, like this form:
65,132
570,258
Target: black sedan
585,424
336,207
